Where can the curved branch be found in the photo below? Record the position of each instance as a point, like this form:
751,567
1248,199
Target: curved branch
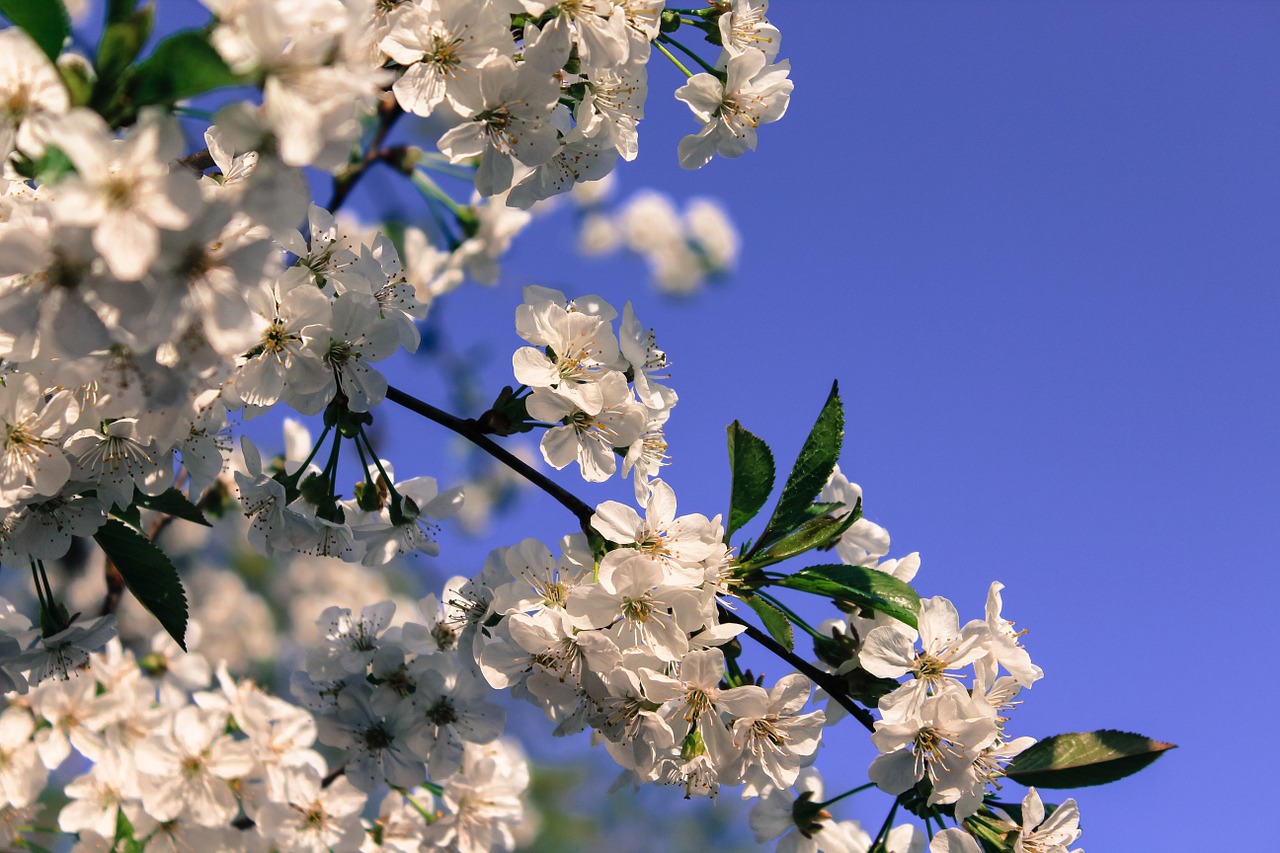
388,113
825,680
196,162
470,430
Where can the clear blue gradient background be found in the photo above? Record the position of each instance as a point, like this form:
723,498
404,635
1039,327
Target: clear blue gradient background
1036,245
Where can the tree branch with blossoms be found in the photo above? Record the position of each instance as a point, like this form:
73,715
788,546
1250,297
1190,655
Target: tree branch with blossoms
147,294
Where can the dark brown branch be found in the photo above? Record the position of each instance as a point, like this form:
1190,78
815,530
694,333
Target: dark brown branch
196,162
388,113
471,431
825,680
115,589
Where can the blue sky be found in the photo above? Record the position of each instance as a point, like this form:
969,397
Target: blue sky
1036,245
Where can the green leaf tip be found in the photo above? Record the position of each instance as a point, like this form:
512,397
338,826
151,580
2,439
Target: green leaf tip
812,469
148,574
775,621
46,21
752,474
1081,759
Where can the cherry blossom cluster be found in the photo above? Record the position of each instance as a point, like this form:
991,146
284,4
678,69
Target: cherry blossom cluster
181,760
628,646
597,388
541,94
933,728
801,826
139,304
149,296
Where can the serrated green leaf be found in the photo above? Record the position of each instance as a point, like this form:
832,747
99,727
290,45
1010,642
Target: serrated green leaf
810,473
1081,759
172,502
148,574
775,621
182,66
46,21
814,533
130,515
829,508
860,586
752,472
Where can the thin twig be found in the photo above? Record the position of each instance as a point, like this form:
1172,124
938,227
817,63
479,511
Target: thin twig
388,113
115,589
470,430
196,162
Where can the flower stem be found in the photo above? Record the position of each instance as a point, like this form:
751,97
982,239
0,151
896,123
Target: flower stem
674,61
710,69
388,113
848,793
432,192
884,828
391,486
305,462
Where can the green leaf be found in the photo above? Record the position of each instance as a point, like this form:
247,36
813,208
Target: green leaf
752,471
54,165
775,622
46,21
1085,758
813,468
182,66
817,532
130,515
172,502
122,40
78,78
860,586
148,574
118,10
